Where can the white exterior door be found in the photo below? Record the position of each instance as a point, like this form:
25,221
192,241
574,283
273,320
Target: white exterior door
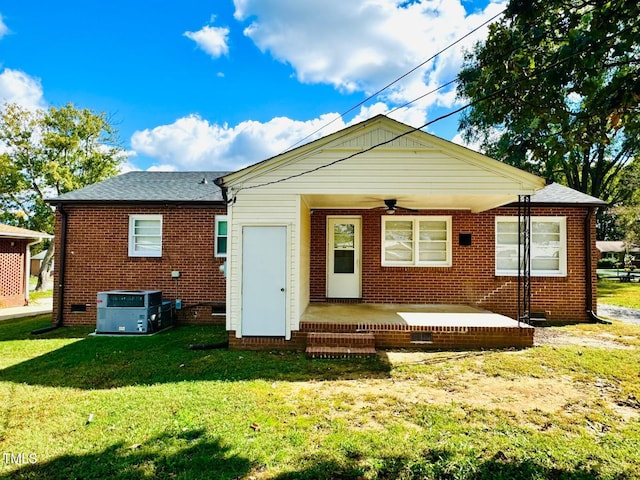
343,257
264,263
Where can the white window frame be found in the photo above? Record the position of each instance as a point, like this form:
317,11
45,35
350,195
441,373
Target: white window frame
133,252
562,247
220,218
415,262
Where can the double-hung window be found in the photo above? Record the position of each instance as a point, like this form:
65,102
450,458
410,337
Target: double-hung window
420,241
145,235
221,236
548,246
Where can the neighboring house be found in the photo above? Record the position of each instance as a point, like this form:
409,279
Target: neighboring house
15,264
615,249
619,254
36,262
377,213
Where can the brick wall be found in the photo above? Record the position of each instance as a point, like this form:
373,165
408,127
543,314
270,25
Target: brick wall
12,264
98,260
441,337
471,279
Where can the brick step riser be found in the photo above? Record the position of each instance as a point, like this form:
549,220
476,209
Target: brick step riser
341,340
340,352
338,356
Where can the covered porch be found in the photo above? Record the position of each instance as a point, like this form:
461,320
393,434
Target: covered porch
409,222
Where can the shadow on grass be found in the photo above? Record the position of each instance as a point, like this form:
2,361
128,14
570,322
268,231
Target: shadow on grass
20,329
435,464
111,362
193,456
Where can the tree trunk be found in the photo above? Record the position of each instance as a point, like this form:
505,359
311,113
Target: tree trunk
45,270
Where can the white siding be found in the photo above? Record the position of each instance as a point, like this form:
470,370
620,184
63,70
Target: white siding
304,273
255,208
419,172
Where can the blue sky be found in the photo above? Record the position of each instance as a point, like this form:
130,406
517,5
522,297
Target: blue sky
218,85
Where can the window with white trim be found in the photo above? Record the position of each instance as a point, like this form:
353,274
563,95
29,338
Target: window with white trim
420,241
145,235
221,236
548,246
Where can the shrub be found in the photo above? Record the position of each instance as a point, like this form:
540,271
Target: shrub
608,263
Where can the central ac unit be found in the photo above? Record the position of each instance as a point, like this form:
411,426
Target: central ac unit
133,311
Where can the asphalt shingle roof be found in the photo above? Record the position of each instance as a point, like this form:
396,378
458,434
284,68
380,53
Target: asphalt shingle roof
556,193
150,187
8,231
190,187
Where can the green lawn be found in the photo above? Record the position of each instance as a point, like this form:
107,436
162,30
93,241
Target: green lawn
73,406
618,293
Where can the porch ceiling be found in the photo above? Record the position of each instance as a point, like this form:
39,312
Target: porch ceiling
473,202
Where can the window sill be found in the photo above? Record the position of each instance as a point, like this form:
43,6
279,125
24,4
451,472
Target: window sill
533,275
412,265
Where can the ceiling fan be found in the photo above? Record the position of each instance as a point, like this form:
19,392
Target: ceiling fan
392,207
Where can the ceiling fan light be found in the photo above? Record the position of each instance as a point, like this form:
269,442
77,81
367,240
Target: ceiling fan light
391,206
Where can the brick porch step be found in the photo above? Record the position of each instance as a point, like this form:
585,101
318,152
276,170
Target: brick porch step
340,345
340,352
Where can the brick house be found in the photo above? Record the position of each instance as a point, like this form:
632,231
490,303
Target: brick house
15,264
376,214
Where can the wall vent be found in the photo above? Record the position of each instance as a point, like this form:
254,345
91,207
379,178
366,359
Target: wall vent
421,337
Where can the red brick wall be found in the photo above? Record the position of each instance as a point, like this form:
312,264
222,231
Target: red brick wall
12,264
471,279
97,259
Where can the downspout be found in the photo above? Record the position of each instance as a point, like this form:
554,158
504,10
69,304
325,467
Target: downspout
588,269
224,344
61,272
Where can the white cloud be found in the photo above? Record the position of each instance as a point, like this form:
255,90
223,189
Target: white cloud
192,143
162,168
362,46
18,87
213,40
354,46
474,145
4,30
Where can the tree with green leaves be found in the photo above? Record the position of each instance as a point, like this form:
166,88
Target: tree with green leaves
46,153
555,90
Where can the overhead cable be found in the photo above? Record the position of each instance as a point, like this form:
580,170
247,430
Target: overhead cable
378,92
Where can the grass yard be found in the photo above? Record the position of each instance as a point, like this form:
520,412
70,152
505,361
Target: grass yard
74,406
618,293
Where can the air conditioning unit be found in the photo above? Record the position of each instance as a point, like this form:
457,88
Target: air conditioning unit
133,311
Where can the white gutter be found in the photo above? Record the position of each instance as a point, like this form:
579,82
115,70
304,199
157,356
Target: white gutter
27,269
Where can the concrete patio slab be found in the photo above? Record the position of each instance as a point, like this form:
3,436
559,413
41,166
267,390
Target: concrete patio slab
407,315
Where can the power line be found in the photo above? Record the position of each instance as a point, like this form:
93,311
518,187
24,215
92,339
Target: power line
378,92
442,117
444,85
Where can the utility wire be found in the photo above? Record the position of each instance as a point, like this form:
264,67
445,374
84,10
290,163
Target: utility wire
442,117
375,94
444,85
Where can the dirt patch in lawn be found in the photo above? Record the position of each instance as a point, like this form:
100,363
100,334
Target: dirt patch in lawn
460,386
467,389
558,337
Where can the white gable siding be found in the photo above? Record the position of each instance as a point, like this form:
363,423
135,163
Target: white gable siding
383,172
376,136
